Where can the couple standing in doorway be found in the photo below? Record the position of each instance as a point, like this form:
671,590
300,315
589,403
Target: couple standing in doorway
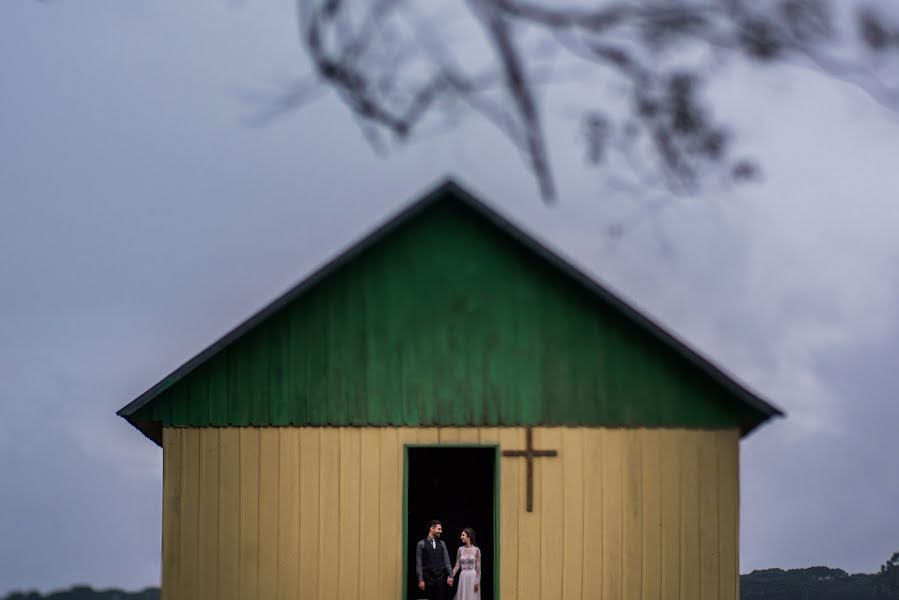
432,565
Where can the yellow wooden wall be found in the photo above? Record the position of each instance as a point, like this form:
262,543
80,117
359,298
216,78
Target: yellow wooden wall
276,513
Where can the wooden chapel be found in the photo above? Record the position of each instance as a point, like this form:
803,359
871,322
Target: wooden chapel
449,366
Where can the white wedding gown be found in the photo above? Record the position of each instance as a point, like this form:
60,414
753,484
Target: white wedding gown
469,559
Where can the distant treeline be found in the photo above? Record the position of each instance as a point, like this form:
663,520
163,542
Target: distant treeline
818,583
83,592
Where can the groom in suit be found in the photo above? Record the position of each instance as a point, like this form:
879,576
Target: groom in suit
432,564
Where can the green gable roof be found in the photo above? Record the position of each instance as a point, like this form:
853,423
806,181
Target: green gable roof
448,315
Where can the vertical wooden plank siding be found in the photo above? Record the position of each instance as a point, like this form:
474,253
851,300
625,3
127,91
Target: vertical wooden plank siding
390,502
207,526
189,546
632,515
269,462
310,560
651,471
270,513
511,473
468,435
229,508
548,475
592,542
449,435
709,527
171,514
249,510
289,499
671,515
329,513
530,578
571,458
689,515
729,514
612,449
370,538
349,502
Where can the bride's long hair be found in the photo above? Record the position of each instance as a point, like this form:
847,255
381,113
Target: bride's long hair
470,533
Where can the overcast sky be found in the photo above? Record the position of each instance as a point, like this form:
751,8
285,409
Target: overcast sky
140,218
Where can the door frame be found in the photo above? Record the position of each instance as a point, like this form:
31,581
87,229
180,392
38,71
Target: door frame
496,504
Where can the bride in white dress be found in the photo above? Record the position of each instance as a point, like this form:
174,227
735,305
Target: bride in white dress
468,558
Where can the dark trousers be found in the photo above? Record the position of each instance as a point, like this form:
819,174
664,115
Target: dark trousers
436,590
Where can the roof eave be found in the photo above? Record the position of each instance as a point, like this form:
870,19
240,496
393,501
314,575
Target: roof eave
152,430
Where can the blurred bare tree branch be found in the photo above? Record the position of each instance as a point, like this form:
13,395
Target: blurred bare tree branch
395,64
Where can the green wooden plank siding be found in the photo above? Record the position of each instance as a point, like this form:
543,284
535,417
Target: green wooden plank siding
448,320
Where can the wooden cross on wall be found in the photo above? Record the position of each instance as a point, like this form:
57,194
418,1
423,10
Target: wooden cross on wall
529,453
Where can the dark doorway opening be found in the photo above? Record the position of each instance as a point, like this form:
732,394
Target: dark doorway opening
457,486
